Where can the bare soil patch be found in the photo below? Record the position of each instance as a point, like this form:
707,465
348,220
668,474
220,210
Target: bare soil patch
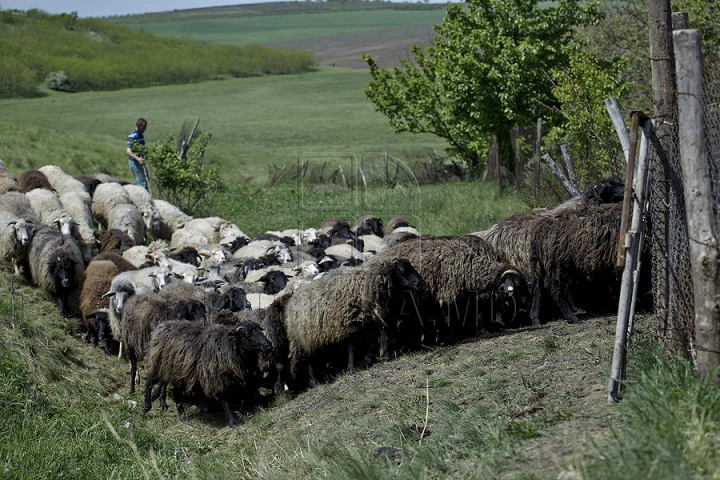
346,50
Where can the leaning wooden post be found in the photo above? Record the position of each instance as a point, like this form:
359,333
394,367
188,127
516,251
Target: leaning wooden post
698,199
613,108
569,187
627,199
634,238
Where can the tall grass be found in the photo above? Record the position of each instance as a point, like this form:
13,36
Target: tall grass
671,421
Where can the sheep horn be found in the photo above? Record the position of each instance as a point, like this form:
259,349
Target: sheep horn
12,223
509,272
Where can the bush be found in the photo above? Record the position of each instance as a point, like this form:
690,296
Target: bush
59,81
184,182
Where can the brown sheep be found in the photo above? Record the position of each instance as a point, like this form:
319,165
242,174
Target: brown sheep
93,304
32,179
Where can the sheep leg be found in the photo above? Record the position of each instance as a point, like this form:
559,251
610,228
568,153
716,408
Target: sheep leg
351,357
149,381
163,397
87,337
133,372
231,419
178,398
384,343
107,347
560,301
535,307
278,388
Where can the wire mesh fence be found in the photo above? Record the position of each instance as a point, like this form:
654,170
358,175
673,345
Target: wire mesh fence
671,267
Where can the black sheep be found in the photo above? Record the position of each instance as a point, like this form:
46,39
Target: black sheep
211,359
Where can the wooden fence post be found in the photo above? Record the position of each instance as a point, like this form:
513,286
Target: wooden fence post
698,199
664,86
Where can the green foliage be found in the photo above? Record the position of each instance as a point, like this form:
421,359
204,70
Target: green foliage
97,55
184,182
587,130
483,76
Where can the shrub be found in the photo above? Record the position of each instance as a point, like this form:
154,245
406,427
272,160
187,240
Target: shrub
184,181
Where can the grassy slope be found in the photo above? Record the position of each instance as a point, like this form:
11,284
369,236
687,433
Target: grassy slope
281,28
254,121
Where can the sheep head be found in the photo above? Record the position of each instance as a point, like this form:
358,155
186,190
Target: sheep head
249,337
62,270
22,231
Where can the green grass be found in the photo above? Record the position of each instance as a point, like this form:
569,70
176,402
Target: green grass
282,28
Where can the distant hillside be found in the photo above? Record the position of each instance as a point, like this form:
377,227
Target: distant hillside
270,8
74,54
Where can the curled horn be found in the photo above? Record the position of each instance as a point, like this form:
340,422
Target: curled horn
509,272
12,223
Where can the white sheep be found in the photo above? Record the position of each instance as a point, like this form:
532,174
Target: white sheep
62,182
15,236
187,238
50,211
18,205
74,202
142,199
127,218
172,218
215,228
108,196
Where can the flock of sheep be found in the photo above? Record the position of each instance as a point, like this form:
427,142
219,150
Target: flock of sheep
224,317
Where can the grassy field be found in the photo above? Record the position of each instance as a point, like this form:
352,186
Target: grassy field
283,28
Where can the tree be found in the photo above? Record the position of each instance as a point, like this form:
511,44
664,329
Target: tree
484,74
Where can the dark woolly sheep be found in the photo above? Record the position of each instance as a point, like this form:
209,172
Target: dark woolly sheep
56,266
369,225
94,306
465,278
576,248
341,307
115,241
142,314
514,236
210,359
32,179
275,281
273,366
187,255
90,183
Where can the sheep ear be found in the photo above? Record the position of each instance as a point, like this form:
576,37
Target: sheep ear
108,294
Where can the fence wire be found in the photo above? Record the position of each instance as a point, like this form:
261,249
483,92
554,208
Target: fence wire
673,291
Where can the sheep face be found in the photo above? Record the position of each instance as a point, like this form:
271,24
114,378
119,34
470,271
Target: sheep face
64,223
281,252
227,229
62,270
370,226
152,221
234,300
121,293
249,337
22,231
610,191
407,277
161,278
275,282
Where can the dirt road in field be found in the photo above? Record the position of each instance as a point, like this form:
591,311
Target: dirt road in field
346,50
